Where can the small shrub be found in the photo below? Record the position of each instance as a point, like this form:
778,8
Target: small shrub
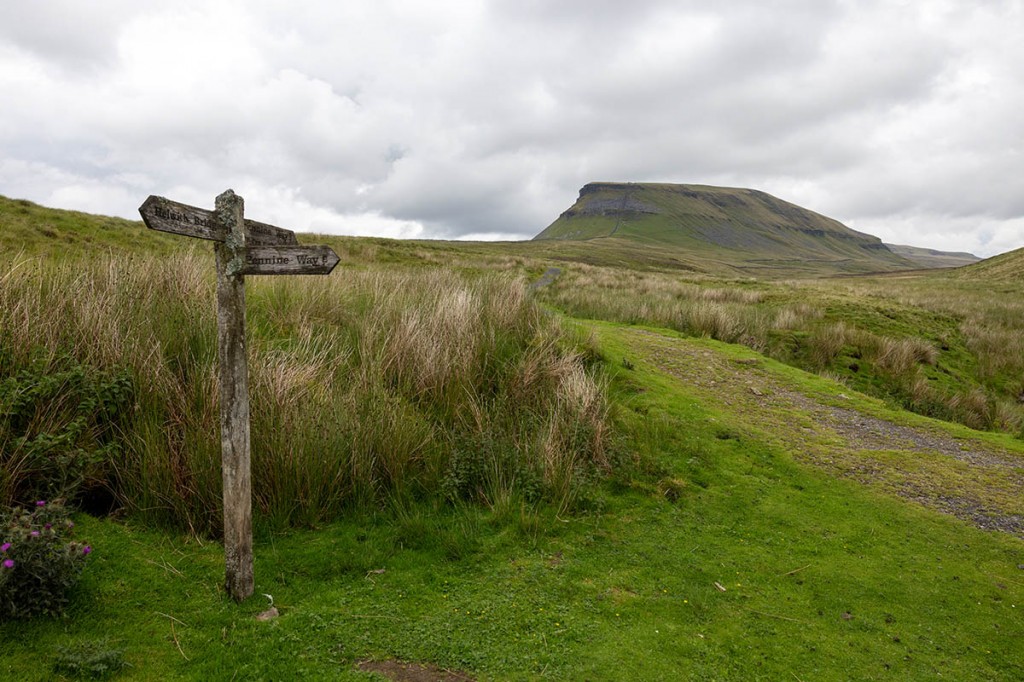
38,563
787,319
714,320
1009,416
61,425
485,470
90,660
972,408
919,391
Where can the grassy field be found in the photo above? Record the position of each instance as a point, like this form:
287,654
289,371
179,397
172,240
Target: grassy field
940,344
634,472
720,558
33,230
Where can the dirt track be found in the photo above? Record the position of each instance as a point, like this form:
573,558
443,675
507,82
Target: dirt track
966,478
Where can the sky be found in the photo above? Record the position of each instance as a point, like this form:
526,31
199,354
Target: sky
462,119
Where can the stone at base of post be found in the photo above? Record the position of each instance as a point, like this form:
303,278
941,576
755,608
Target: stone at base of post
234,401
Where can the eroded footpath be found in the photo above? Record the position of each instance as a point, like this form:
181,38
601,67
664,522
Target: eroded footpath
918,459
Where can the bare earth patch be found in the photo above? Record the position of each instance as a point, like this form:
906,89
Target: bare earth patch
969,479
413,672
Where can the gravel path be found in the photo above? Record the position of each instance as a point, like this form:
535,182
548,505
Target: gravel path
969,479
549,276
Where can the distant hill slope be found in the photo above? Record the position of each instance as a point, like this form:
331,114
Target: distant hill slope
931,258
746,229
1005,267
35,230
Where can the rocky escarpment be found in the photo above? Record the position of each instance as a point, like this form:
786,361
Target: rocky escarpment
602,200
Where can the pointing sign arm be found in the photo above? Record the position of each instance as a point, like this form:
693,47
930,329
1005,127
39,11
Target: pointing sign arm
171,216
289,260
262,234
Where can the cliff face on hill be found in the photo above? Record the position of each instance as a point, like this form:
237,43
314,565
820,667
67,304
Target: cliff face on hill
742,226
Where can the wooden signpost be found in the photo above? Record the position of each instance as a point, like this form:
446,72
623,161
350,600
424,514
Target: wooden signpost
242,247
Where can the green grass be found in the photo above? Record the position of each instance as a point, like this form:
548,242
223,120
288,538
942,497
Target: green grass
933,343
1005,268
33,230
824,579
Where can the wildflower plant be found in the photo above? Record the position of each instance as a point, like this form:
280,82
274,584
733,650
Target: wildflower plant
39,564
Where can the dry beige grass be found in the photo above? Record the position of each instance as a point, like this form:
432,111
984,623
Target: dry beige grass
901,356
825,344
892,333
362,386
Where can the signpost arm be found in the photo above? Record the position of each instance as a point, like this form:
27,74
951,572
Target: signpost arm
234,398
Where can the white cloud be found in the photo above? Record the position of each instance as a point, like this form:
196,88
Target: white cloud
454,119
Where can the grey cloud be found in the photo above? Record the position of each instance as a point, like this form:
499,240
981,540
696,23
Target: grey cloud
487,118
75,35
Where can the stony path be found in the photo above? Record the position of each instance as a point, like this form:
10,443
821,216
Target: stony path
549,276
972,480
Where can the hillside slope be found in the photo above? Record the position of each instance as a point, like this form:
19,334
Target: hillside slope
1002,268
33,230
748,229
932,258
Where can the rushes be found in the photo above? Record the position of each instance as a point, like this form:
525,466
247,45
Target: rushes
825,344
902,356
364,387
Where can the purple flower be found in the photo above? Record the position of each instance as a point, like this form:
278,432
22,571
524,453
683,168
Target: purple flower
40,503
86,549
71,524
34,533
4,547
8,563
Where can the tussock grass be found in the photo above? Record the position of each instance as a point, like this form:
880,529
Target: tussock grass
825,344
375,385
937,345
999,347
901,356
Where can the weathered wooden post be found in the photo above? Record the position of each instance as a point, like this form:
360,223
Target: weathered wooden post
234,397
242,247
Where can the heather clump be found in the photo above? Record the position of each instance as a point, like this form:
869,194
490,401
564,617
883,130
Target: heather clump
39,563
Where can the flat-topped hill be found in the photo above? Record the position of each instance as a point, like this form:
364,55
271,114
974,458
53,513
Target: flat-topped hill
933,258
745,228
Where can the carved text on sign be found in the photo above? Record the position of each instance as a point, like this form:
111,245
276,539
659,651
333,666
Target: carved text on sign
171,216
289,260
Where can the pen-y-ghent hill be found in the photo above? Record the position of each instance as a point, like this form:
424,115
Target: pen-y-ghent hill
663,441
732,230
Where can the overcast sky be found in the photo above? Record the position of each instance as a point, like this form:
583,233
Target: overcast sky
461,119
